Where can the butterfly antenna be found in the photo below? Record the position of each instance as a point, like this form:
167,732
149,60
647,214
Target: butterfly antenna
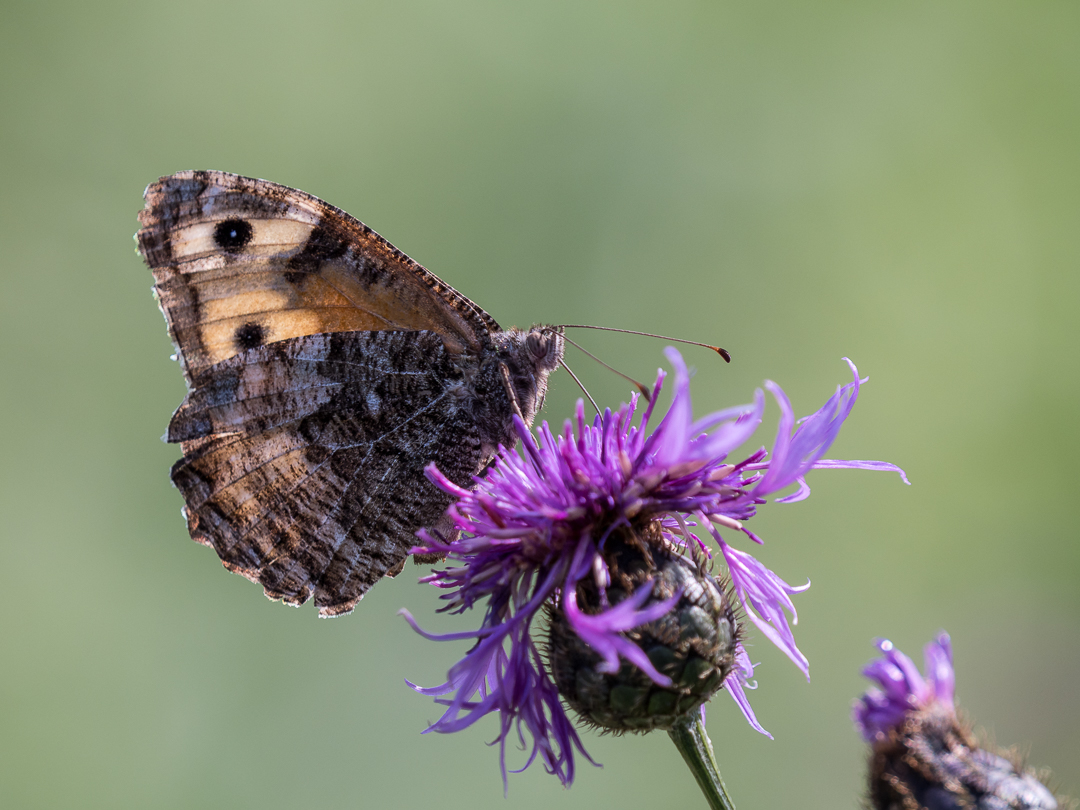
644,389
582,387
722,352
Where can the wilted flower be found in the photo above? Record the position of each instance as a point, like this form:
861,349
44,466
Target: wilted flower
605,528
923,755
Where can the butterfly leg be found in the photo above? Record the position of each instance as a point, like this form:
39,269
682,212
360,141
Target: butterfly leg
505,371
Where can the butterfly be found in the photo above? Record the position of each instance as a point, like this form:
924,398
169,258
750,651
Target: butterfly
325,370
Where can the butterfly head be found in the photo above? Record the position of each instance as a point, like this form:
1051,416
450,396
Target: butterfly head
545,346
518,371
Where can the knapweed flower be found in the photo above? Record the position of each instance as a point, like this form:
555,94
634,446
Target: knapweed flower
923,756
604,531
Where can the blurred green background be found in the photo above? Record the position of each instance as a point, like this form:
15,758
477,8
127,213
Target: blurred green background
895,182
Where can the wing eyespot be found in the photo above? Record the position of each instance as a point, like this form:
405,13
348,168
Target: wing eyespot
232,235
250,335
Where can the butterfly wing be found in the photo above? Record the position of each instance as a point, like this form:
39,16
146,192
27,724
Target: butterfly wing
240,262
304,459
321,364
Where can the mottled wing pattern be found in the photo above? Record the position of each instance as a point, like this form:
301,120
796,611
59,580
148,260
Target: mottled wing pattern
240,262
319,362
304,459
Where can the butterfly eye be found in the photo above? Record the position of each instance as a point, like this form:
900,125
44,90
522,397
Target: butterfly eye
537,345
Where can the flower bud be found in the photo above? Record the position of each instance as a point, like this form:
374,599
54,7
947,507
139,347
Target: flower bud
932,761
692,646
923,755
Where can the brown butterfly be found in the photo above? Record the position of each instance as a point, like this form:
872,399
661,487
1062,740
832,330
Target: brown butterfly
325,371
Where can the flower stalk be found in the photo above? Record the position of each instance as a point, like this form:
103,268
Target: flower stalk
693,743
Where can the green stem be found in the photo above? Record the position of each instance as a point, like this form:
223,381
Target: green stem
693,743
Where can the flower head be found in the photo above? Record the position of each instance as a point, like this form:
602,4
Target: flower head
595,526
923,755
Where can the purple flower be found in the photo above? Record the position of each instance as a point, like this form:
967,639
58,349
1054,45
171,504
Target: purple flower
903,689
540,526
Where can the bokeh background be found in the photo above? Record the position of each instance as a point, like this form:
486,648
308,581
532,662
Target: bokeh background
895,182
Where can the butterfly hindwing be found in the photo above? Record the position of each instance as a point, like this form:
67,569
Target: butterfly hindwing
321,493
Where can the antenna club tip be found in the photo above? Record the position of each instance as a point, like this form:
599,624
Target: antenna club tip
722,352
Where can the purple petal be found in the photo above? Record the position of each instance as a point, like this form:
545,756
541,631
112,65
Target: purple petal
603,631
837,464
801,494
730,434
902,688
939,668
673,433
793,456
779,466
734,684
438,636
765,598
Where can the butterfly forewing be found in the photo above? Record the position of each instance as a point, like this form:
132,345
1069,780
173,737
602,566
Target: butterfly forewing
240,262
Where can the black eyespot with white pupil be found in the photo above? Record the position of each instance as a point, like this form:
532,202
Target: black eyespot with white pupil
250,335
233,234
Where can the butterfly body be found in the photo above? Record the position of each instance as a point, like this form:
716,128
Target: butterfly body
325,371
